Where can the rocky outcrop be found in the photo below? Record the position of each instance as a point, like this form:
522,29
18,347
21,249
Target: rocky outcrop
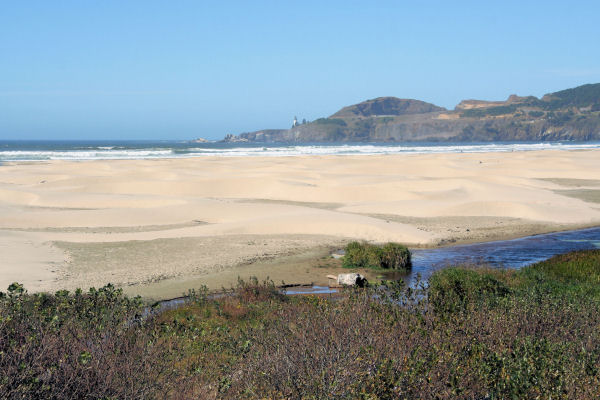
352,279
471,104
229,138
265,135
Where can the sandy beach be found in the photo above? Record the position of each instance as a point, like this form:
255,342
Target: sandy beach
156,227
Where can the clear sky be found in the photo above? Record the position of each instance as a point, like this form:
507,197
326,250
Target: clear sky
184,69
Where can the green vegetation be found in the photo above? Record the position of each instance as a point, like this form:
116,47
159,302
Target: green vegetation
457,288
80,345
559,118
385,120
489,111
574,274
387,106
330,121
535,114
473,333
365,255
581,96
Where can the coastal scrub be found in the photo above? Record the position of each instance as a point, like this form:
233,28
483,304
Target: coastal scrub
471,333
389,256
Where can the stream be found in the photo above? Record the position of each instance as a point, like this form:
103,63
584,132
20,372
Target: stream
515,253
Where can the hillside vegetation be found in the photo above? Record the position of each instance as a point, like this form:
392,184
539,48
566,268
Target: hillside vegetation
387,106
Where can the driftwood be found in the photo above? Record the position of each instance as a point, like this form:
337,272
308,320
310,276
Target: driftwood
342,280
333,281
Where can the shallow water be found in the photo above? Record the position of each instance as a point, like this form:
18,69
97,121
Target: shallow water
311,290
515,253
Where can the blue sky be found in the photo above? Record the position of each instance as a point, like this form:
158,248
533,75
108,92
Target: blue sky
184,69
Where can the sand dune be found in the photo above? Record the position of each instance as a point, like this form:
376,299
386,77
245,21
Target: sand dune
329,199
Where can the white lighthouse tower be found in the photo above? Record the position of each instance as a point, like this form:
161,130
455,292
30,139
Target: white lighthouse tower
295,122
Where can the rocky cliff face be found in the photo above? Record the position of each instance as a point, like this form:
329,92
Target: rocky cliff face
572,114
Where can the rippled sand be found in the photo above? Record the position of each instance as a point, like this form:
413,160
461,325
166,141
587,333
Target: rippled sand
146,224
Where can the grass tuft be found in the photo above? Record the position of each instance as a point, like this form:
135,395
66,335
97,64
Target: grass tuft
389,256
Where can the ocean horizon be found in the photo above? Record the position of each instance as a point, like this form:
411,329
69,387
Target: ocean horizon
78,150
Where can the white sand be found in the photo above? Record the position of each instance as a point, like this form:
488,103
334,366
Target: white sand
415,199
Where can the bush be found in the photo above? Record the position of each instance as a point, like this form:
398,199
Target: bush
388,256
81,345
474,333
395,256
529,345
535,114
253,290
330,121
454,289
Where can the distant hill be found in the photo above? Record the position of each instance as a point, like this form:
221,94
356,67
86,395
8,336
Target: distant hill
581,96
386,106
571,114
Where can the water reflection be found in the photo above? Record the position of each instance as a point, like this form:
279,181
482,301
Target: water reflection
515,253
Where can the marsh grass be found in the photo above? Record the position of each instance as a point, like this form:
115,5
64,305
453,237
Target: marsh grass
388,256
581,267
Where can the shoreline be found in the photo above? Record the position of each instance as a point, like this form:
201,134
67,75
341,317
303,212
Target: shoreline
322,281
281,267
508,237
181,149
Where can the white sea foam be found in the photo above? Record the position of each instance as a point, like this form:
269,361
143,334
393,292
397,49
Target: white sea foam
166,150
27,155
368,149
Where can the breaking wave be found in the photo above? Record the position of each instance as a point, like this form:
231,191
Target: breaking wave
35,151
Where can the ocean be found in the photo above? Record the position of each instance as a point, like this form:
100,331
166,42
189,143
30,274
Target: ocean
124,150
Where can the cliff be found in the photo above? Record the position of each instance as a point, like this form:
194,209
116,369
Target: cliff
572,114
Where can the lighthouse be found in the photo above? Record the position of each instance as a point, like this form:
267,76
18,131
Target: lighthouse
295,122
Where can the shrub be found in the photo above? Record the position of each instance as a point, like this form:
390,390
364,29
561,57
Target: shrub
388,256
528,346
535,114
253,290
395,256
454,289
330,121
81,345
473,333
361,255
